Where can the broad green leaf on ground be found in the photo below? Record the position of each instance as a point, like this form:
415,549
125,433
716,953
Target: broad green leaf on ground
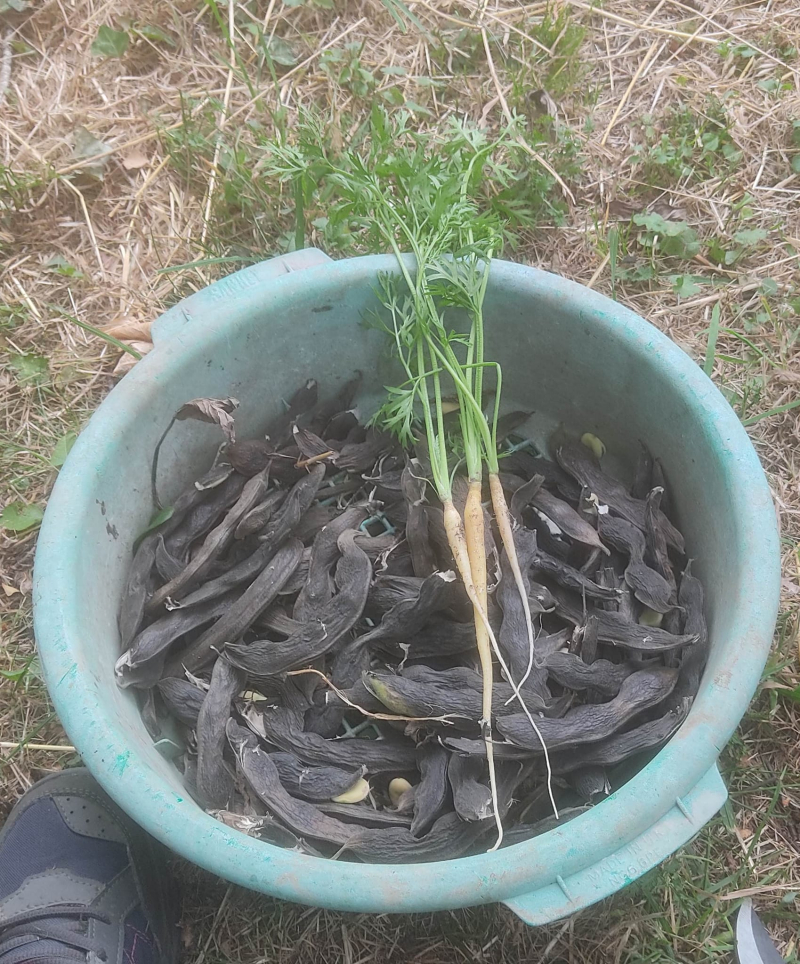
59,265
750,236
279,51
684,285
729,252
62,449
769,287
30,369
674,237
393,96
20,516
154,34
110,42
85,146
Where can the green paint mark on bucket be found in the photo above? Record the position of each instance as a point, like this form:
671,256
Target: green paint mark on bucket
122,762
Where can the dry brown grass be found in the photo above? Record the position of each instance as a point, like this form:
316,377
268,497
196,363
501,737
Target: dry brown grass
164,199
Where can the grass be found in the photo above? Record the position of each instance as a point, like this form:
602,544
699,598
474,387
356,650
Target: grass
676,132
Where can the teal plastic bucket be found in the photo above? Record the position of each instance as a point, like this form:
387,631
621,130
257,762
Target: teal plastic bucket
570,355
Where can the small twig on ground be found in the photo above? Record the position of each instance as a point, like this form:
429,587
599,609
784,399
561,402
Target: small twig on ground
212,181
43,747
639,70
5,64
213,929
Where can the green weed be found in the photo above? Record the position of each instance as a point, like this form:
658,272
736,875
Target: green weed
558,72
613,259
561,69
686,145
259,207
240,220
457,51
344,68
17,189
738,51
318,4
12,316
711,343
625,263
509,183
22,672
651,247
730,251
672,238
28,368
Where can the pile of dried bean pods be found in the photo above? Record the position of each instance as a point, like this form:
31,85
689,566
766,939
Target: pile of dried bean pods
302,645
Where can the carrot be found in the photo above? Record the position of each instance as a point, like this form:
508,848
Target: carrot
476,548
426,347
466,543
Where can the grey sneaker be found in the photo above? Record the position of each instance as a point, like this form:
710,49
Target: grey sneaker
80,882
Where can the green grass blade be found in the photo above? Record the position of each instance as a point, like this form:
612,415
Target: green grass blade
399,10
299,215
613,253
747,341
205,263
28,738
98,332
223,26
771,411
711,345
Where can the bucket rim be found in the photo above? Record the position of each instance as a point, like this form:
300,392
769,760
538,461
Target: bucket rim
180,824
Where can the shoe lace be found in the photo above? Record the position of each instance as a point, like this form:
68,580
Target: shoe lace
66,924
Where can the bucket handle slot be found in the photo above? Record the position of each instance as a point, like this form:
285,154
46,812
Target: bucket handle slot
566,896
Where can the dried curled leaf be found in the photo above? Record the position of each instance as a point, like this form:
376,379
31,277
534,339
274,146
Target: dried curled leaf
472,798
126,360
216,411
131,331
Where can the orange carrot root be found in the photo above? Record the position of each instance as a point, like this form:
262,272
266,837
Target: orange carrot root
467,543
476,548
